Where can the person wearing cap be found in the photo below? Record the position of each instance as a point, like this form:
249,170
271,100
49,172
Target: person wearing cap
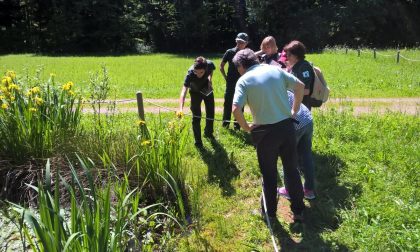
198,81
269,53
302,69
272,130
231,77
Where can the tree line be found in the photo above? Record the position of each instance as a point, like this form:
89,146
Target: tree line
127,26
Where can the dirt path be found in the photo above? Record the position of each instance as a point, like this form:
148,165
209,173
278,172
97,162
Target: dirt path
409,106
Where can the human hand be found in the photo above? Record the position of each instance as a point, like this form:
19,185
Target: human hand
251,127
179,114
294,113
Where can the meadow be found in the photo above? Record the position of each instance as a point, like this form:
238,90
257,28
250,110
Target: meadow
167,195
162,75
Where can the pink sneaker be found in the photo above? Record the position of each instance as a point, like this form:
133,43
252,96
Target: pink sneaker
309,194
282,191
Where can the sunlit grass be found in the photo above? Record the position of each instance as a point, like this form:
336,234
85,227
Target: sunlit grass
162,75
366,180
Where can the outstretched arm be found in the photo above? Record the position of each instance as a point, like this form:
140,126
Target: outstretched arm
182,98
239,116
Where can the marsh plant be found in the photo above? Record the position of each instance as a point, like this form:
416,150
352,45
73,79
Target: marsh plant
159,160
36,117
107,217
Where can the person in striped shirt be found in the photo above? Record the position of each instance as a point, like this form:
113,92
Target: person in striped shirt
304,132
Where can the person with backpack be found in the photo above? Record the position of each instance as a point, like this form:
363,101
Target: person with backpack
304,131
232,76
198,81
272,131
269,53
302,69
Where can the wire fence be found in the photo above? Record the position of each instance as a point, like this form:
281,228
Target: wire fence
373,51
126,101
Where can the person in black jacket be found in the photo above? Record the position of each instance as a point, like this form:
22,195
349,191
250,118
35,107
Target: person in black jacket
231,77
302,69
198,81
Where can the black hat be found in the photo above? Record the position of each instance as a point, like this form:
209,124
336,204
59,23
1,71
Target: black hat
242,37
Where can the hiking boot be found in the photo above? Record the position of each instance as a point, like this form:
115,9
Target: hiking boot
309,194
282,191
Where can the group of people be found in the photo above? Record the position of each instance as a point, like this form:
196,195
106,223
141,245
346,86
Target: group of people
277,87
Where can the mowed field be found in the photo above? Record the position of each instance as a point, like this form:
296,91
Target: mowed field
162,75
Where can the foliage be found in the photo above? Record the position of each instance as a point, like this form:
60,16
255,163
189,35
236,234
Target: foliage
159,160
88,26
150,153
36,118
107,217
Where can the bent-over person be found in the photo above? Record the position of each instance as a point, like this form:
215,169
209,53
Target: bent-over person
264,89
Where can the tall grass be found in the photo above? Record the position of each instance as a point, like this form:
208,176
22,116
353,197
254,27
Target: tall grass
36,117
108,217
159,159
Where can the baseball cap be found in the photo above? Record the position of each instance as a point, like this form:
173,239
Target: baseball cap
242,37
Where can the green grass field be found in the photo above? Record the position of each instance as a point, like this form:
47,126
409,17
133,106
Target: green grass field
162,75
367,185
367,188
367,167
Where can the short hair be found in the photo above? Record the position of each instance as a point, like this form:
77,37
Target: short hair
268,41
296,48
200,63
246,58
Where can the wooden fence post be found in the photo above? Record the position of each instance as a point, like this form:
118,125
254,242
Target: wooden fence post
374,53
140,106
358,52
398,56
346,50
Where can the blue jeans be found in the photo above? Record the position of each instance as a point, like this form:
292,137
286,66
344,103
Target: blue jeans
304,150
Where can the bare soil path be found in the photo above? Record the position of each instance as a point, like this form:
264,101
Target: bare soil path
409,106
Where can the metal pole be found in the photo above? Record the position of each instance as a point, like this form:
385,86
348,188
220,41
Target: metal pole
398,56
140,106
374,53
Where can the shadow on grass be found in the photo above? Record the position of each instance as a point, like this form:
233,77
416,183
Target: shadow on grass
221,167
322,215
242,135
